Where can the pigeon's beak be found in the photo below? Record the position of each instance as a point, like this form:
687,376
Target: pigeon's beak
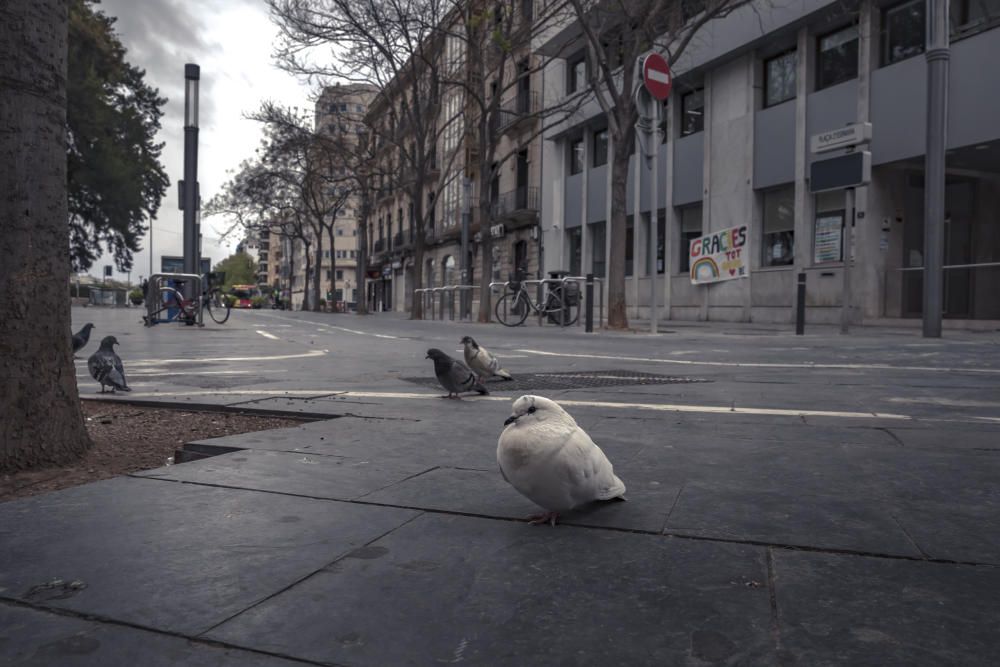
510,420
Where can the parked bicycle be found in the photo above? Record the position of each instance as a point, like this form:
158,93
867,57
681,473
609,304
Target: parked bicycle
559,307
173,307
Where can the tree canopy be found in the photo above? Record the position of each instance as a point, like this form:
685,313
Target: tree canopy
114,175
240,269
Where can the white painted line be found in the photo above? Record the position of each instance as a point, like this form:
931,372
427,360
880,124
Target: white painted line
306,323
186,360
657,75
658,407
154,373
744,364
267,335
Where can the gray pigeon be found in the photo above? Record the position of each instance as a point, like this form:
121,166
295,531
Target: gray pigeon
481,361
81,337
453,374
544,454
106,366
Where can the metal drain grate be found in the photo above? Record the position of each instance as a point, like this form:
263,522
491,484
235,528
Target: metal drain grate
571,380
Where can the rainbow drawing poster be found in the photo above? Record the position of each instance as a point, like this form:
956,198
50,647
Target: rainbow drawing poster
721,255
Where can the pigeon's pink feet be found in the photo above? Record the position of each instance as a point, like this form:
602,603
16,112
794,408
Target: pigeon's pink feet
547,517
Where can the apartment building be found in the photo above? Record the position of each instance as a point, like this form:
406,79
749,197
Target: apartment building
748,94
454,179
339,115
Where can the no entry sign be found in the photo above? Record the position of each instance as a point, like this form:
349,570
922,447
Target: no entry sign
656,76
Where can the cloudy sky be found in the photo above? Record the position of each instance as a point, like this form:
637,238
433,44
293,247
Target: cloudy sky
232,42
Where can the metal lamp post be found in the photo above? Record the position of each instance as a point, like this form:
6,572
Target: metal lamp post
466,278
189,196
938,55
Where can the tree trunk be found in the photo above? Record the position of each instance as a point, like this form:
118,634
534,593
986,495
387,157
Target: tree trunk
306,289
617,315
361,274
333,268
416,300
42,423
486,247
318,275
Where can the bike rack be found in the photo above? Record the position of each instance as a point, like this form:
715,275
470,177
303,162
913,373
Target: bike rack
434,306
154,295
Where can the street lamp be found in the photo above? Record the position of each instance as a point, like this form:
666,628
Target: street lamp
190,199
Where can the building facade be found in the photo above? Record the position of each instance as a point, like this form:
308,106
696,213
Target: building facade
748,94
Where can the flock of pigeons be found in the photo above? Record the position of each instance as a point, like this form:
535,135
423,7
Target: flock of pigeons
542,451
105,365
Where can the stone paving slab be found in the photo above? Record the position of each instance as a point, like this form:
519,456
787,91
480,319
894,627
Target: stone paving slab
851,610
327,477
783,515
177,557
34,638
480,591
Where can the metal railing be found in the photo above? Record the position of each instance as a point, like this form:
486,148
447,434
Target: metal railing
524,198
434,300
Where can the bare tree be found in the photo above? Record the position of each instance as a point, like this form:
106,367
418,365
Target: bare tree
395,46
616,34
42,423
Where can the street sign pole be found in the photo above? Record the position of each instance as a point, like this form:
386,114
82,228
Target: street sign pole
848,243
656,87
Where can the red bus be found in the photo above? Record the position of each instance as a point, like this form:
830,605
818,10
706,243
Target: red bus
243,295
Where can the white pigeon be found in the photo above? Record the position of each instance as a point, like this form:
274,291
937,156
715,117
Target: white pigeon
481,361
546,456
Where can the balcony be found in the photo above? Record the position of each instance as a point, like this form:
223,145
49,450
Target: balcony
517,112
518,205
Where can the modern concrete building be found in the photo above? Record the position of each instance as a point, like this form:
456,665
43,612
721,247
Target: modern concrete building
748,94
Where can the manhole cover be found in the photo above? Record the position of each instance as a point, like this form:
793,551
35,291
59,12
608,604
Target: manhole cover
571,380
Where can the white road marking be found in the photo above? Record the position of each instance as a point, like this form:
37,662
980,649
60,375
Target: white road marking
949,402
267,335
187,360
659,407
745,364
333,326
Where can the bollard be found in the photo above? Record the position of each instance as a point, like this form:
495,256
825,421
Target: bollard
590,303
800,306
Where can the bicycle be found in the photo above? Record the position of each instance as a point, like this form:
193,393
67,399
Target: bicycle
211,300
514,306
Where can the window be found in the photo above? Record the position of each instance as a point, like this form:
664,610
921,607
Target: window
693,112
600,147
828,232
574,239
326,254
690,230
577,75
779,78
903,31
837,59
340,274
360,108
576,156
967,13
778,238
328,274
597,238
340,232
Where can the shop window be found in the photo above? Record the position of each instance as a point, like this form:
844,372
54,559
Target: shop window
690,230
837,57
693,112
903,31
828,228
600,147
576,156
779,78
778,241
574,239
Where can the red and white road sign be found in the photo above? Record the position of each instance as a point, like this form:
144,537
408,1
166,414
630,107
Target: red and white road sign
656,76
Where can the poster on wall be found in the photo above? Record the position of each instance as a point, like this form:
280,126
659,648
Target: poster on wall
721,255
829,230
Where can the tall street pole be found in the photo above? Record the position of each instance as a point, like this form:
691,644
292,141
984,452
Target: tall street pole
189,190
938,55
465,297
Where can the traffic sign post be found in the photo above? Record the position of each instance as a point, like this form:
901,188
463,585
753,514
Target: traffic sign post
656,86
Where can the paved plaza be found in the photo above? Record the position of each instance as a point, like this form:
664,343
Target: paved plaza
814,500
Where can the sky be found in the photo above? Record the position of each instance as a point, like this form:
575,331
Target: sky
231,40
